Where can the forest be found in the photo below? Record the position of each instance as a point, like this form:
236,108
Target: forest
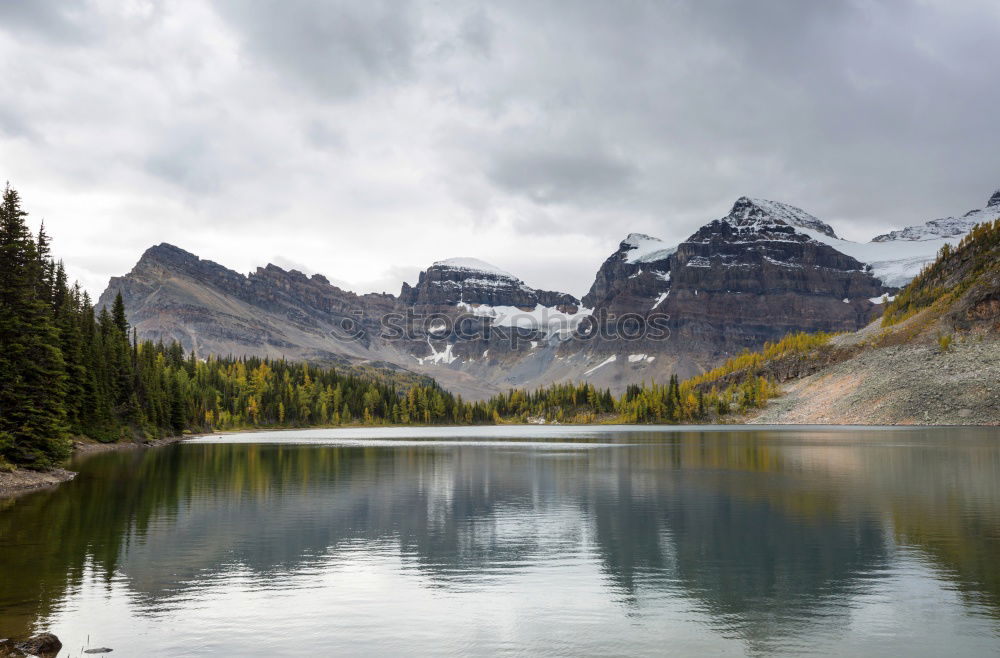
68,371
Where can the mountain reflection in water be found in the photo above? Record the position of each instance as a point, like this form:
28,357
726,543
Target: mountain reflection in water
610,541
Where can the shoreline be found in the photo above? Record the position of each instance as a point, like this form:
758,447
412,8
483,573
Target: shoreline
22,481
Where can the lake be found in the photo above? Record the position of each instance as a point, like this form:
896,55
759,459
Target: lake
568,541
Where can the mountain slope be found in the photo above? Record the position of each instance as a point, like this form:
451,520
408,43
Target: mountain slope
172,294
934,358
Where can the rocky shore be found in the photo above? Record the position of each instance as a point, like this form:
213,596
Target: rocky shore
21,481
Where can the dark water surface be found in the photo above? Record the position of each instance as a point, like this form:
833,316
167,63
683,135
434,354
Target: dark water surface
540,541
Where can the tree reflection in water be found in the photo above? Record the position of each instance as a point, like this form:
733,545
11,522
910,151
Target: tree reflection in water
762,532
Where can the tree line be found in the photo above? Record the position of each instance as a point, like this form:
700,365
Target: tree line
67,370
689,401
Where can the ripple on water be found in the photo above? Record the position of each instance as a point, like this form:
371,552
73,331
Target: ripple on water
551,541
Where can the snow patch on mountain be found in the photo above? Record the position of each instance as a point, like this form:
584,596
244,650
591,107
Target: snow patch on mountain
444,356
493,283
894,262
474,265
610,359
541,318
642,248
946,227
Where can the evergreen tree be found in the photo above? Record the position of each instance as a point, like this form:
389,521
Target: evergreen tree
118,314
32,377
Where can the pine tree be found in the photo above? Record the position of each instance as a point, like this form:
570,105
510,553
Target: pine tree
67,309
118,314
32,377
177,416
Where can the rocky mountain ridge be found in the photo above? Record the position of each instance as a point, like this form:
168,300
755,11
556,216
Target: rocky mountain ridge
764,269
947,227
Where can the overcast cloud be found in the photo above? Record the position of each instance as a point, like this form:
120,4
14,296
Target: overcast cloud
364,140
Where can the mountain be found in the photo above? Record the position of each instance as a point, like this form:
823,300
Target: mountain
755,275
172,294
654,309
474,282
933,358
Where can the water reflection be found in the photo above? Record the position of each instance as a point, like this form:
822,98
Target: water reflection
773,541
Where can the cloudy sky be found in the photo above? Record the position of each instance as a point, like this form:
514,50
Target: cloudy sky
365,140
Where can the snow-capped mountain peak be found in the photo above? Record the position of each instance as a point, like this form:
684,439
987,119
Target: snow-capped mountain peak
473,265
994,200
636,239
750,212
470,282
642,248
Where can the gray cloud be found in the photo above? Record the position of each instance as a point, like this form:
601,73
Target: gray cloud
335,47
50,19
477,32
560,176
15,125
366,139
187,160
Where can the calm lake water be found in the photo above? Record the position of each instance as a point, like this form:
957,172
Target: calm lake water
528,540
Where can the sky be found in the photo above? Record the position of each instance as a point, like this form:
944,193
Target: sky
365,140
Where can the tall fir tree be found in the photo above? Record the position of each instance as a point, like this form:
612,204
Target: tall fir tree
118,314
32,372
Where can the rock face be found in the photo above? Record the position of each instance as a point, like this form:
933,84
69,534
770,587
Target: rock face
898,378
474,282
752,277
172,294
639,271
994,201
